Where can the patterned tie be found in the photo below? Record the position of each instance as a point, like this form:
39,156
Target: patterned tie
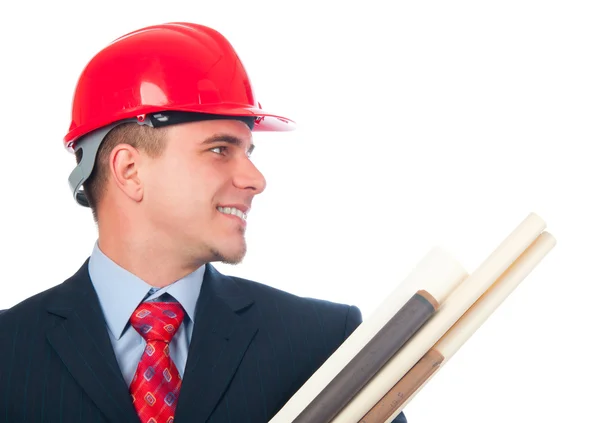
155,386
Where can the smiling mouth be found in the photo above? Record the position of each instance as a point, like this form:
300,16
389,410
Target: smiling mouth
233,211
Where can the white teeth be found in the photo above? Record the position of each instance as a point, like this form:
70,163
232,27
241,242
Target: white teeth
234,211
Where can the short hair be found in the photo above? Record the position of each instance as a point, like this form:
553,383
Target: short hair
142,137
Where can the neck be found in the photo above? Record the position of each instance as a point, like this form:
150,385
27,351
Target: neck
156,261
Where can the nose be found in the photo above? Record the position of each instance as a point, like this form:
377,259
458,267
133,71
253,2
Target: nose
248,177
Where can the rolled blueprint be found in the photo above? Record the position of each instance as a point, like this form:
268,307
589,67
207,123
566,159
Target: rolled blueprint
393,402
370,359
469,323
457,303
438,273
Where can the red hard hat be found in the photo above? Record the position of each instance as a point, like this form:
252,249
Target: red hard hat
170,67
161,73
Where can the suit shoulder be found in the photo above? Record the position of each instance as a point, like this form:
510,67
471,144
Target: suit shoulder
263,291
24,309
344,316
42,299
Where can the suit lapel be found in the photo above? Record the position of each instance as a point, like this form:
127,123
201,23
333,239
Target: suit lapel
82,343
219,341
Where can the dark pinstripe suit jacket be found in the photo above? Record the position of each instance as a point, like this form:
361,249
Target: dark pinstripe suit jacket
252,348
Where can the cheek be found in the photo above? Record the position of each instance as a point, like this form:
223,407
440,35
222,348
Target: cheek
179,192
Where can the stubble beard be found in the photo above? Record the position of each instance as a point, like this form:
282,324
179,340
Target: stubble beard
232,259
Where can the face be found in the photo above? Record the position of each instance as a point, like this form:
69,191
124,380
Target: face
197,193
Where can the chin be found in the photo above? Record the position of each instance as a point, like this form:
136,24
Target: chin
230,255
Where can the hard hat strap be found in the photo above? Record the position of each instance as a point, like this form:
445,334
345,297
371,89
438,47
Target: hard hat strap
174,117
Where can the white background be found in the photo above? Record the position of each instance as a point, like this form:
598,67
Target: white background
420,124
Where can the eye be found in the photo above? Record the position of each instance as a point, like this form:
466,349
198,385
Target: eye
219,150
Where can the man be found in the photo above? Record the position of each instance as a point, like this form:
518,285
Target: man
147,329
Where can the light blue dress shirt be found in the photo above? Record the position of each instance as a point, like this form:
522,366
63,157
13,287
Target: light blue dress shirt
120,292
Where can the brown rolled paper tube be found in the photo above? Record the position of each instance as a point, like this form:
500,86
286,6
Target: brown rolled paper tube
353,377
405,387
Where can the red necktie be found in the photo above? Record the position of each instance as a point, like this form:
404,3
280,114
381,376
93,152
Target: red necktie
155,386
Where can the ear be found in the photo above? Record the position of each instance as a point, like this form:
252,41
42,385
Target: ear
124,163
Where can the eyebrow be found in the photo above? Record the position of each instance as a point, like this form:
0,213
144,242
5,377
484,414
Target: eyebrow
229,139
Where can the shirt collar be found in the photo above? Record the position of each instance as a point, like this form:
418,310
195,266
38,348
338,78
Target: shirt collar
120,292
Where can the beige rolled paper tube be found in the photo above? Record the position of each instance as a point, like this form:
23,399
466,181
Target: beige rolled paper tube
438,273
469,323
457,303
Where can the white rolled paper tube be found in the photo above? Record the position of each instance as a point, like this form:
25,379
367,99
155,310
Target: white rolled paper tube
457,303
438,273
472,320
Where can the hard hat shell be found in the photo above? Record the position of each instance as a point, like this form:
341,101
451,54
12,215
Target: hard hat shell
175,66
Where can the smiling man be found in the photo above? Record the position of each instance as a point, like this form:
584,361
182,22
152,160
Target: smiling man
165,210
147,329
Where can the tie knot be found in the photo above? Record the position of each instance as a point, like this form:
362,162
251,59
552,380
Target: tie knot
157,321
